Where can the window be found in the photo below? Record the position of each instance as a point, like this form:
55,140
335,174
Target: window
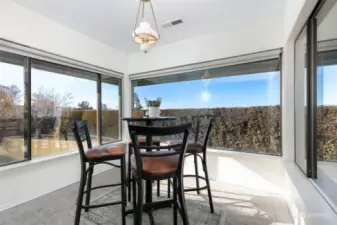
60,95
326,101
244,101
39,101
111,121
300,100
13,117
315,88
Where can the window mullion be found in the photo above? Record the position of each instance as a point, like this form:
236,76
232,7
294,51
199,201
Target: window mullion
27,109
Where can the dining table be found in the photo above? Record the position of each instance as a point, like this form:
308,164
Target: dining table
149,121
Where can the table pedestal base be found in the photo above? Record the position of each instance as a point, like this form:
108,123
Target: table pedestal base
149,207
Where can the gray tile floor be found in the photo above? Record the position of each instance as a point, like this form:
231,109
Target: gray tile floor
238,205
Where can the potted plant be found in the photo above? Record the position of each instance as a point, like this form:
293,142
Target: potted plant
153,106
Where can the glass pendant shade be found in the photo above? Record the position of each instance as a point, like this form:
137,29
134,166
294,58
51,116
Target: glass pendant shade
143,34
145,47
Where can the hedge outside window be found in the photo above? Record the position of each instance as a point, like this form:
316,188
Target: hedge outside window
244,101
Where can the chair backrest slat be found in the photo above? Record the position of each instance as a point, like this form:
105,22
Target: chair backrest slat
203,127
81,133
158,131
136,131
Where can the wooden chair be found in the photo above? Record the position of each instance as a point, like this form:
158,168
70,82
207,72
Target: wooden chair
158,165
94,156
202,126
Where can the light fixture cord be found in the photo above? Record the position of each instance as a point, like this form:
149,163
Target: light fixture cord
143,11
140,2
154,18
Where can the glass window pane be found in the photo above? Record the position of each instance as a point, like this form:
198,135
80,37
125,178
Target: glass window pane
300,100
111,122
12,111
244,101
326,114
60,95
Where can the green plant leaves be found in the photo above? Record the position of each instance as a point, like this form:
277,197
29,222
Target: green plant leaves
154,103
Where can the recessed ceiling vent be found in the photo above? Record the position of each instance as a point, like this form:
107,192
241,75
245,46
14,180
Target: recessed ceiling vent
172,23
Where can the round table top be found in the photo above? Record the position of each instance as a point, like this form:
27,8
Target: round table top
135,119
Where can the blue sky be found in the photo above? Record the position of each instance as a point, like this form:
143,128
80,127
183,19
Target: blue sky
236,91
327,85
81,89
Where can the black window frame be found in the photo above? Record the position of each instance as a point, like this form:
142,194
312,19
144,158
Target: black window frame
27,66
311,95
278,67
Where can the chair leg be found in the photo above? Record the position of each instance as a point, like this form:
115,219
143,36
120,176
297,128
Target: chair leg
168,188
123,174
134,198
175,202
80,197
158,185
88,194
208,185
181,196
169,185
129,174
196,173
139,207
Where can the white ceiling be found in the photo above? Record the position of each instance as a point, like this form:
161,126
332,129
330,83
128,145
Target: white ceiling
111,21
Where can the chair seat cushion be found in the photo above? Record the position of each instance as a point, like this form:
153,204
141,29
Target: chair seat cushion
111,150
159,165
142,141
192,147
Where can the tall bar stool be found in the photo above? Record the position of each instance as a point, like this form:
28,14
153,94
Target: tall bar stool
202,126
94,156
141,141
158,165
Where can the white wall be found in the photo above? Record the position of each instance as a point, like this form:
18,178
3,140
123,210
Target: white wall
259,172
292,27
21,25
126,105
23,182
292,12
227,43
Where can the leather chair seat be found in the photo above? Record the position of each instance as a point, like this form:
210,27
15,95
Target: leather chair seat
111,150
158,165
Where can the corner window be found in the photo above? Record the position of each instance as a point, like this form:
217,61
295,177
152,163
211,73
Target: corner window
244,101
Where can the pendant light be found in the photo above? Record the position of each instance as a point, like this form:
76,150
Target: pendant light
144,34
206,75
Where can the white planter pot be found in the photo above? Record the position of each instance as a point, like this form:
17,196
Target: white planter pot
154,112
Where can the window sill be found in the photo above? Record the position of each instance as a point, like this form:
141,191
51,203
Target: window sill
325,196
41,160
224,152
59,156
